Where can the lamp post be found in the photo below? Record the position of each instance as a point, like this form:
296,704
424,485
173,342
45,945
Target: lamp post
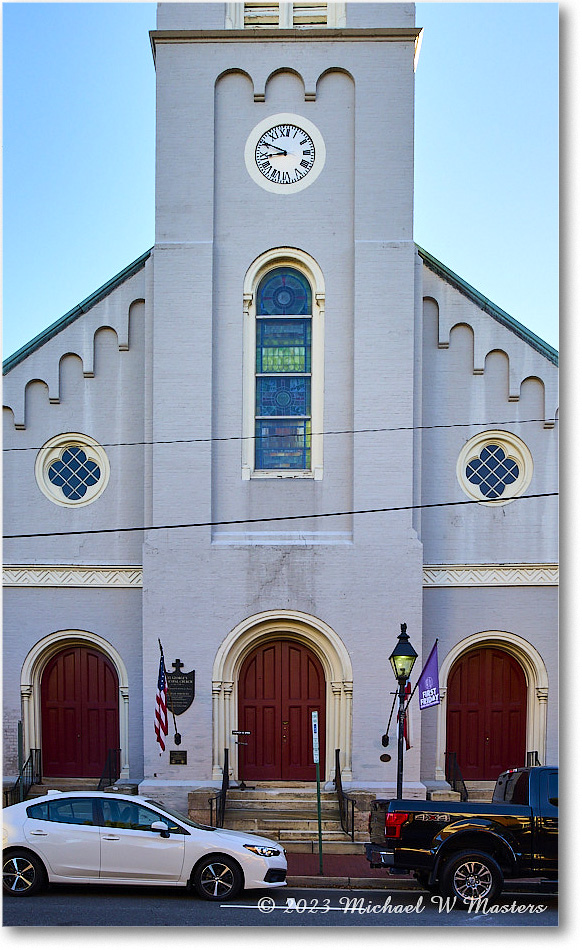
402,660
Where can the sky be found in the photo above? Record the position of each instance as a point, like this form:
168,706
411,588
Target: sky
79,149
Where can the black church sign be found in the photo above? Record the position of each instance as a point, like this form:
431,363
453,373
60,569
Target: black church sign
180,688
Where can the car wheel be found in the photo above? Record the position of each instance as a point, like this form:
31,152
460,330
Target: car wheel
217,878
23,874
471,875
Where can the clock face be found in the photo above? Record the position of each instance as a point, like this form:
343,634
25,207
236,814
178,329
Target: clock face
284,153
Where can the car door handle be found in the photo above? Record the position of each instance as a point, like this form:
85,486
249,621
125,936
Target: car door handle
111,837
40,833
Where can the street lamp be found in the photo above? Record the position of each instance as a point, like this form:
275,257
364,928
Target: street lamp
402,660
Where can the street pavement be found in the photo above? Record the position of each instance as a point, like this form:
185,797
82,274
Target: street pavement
331,907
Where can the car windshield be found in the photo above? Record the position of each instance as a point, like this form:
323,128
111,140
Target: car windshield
177,815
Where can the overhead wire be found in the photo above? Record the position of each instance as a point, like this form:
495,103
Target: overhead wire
237,521
243,438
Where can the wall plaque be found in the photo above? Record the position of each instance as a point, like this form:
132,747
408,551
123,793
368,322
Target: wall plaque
178,757
181,688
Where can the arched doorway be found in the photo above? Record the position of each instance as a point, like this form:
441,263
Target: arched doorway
280,684
486,713
79,712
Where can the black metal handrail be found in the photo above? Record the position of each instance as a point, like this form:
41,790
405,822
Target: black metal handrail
30,774
218,802
532,760
454,776
346,804
111,769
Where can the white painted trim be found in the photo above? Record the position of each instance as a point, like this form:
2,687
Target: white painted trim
537,685
73,575
303,262
490,575
30,684
334,657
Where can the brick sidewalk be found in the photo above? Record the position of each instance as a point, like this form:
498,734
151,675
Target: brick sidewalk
334,865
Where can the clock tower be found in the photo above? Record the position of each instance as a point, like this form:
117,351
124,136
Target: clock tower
284,340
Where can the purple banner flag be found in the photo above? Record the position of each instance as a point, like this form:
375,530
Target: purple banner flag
428,683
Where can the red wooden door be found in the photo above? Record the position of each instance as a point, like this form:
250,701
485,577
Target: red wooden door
80,713
281,683
486,713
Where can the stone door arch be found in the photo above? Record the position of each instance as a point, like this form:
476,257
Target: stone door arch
330,651
536,678
31,676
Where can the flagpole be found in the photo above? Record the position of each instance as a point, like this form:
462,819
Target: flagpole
177,736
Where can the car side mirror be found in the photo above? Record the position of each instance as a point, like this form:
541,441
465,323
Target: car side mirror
162,827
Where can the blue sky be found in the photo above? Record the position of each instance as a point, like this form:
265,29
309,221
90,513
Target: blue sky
79,101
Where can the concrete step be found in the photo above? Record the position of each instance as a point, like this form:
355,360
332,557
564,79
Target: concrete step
279,794
328,847
282,806
480,791
272,822
63,785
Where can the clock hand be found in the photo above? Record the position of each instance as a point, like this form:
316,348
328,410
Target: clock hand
278,147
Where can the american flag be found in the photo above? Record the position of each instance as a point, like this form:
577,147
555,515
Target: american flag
161,713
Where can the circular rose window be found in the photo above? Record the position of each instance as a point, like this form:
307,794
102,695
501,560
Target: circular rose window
494,467
72,469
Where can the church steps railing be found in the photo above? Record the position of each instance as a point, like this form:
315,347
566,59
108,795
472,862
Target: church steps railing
347,805
218,802
30,774
111,769
454,776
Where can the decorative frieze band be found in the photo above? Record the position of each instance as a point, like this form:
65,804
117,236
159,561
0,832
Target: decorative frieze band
490,575
71,576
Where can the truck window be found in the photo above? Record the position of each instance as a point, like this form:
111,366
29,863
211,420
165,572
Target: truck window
552,789
517,788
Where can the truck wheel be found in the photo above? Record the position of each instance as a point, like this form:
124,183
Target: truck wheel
472,875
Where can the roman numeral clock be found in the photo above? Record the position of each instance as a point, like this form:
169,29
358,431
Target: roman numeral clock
284,153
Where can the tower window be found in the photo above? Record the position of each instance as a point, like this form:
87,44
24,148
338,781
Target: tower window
269,14
283,372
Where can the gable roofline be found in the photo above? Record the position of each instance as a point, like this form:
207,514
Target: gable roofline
431,262
489,307
74,314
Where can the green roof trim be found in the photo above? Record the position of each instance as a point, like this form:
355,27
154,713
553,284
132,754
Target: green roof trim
74,314
489,307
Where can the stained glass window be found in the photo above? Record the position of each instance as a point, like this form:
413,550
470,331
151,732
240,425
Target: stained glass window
492,471
74,473
283,371
284,291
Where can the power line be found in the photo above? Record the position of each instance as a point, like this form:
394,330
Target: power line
215,524
243,438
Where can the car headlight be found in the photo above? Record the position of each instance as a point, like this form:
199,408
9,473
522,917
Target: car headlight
262,850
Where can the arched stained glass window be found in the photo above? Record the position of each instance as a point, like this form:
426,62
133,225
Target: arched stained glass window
284,291
283,371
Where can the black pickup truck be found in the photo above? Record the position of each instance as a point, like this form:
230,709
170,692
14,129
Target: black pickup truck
469,849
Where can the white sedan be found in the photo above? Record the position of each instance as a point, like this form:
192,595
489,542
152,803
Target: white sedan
102,838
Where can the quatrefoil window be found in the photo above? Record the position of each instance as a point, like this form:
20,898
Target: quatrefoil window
492,471
72,469
74,473
494,467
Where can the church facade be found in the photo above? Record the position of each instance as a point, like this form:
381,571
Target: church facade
280,433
